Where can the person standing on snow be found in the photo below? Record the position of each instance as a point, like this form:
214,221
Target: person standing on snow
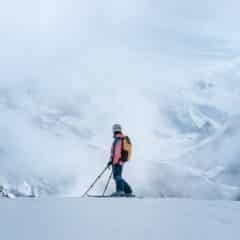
120,153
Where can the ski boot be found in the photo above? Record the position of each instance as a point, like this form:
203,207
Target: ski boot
118,194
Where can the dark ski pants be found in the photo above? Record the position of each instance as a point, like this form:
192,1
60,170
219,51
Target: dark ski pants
121,184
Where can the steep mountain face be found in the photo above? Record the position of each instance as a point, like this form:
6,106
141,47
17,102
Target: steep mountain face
55,143
207,165
70,69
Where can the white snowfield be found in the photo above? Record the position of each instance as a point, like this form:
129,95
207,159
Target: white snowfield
118,219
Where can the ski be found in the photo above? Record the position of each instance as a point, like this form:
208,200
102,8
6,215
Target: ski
110,196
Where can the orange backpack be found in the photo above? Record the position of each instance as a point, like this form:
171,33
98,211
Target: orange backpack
126,149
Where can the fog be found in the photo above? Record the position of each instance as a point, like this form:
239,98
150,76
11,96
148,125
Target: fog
70,69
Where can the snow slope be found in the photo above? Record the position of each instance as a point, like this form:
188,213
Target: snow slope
88,219
70,69
57,143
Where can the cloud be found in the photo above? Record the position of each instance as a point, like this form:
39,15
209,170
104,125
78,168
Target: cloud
69,69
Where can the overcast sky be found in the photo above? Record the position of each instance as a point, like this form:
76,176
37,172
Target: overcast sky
40,39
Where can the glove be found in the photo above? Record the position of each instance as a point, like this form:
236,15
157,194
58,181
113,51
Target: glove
109,163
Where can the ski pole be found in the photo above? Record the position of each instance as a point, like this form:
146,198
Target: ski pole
98,177
106,187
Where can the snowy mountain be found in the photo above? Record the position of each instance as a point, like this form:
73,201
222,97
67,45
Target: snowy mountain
56,143
70,69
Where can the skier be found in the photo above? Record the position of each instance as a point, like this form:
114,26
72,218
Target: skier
119,155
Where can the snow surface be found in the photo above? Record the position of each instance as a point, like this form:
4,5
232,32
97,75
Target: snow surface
108,219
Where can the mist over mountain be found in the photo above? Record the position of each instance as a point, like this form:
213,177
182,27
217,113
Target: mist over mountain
69,70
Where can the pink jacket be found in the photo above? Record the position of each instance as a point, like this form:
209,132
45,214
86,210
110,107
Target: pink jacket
116,151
